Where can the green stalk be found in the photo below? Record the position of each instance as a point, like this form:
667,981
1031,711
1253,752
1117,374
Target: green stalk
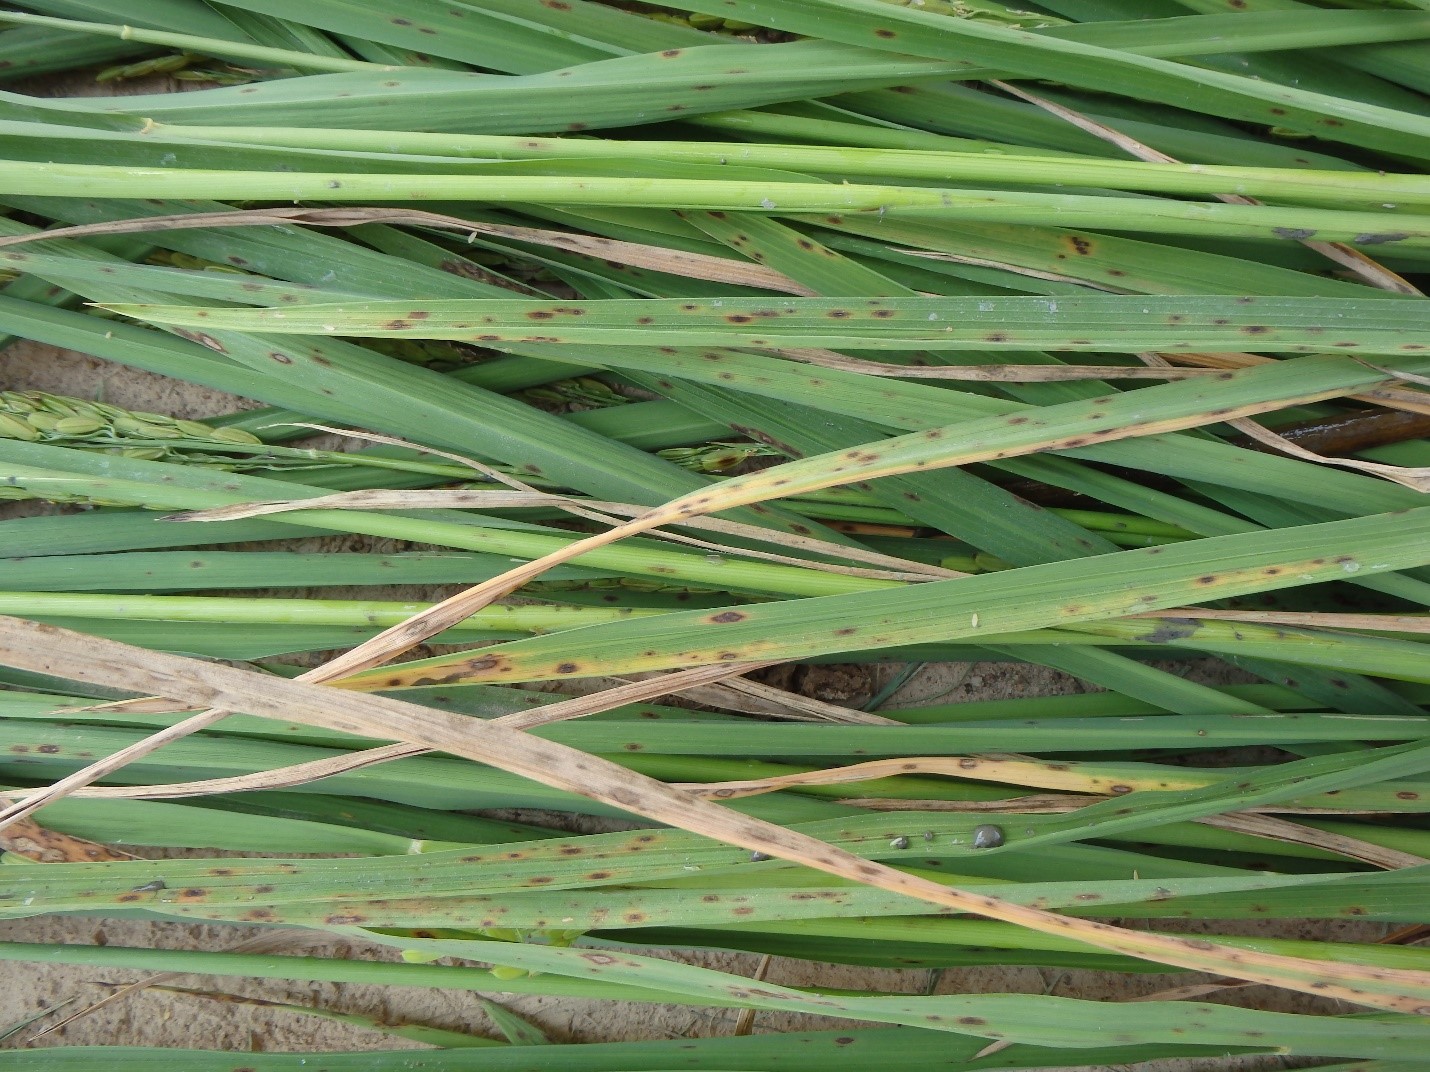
190,490
272,57
256,610
872,23
973,165
1119,323
25,178
210,570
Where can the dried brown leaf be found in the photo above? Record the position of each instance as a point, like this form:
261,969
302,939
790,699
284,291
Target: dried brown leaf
61,652
29,839
1417,479
1268,826
656,258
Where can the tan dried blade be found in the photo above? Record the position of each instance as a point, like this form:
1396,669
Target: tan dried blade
60,652
656,258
